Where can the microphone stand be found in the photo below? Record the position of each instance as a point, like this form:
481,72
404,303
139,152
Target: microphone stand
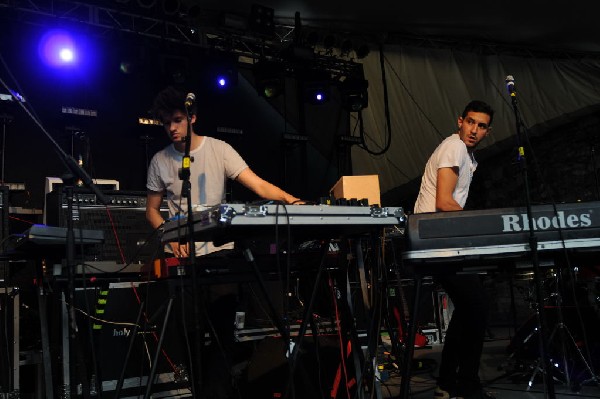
597,186
186,191
6,119
75,172
533,245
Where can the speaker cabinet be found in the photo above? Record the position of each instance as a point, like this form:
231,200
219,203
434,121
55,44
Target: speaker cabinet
129,238
111,333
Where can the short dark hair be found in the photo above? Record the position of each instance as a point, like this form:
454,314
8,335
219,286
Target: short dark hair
169,100
479,106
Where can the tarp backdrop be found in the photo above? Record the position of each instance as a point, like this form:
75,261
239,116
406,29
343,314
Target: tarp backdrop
428,88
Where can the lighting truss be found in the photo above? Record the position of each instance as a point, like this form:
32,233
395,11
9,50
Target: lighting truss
202,31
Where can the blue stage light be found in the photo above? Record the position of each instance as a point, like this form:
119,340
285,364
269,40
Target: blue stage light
57,48
67,55
220,72
316,86
317,94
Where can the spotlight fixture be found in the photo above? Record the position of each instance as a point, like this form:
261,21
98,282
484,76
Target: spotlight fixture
317,87
226,79
269,78
317,94
66,54
222,80
223,73
355,96
57,48
262,20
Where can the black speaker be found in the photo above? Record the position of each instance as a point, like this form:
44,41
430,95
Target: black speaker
128,236
115,309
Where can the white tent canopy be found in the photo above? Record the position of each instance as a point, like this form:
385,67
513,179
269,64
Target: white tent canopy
428,89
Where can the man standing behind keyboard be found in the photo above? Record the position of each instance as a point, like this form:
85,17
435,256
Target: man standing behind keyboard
445,187
213,162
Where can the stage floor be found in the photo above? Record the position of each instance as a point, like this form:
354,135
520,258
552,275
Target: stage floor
497,373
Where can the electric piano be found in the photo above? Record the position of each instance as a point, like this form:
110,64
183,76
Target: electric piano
40,238
494,236
40,234
49,243
229,222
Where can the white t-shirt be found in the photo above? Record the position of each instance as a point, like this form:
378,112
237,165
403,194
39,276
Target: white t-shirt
452,152
213,162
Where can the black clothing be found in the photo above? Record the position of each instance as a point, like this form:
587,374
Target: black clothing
459,368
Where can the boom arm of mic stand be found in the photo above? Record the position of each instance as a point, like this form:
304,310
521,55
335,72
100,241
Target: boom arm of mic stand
533,245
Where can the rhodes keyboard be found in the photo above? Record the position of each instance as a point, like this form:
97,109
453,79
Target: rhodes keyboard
229,222
497,235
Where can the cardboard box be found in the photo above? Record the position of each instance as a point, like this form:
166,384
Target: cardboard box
358,187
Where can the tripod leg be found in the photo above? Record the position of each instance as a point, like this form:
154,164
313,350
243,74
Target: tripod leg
129,348
563,345
47,362
587,365
308,312
536,370
66,366
261,283
539,364
410,344
513,307
158,349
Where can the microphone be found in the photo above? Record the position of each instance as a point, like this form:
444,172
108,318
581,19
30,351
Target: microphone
510,86
190,99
